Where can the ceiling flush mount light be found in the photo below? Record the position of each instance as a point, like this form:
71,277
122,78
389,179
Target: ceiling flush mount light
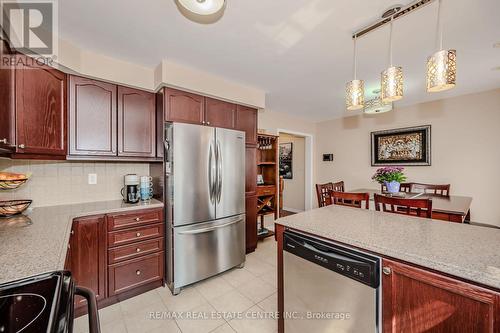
391,80
442,65
202,7
375,105
355,90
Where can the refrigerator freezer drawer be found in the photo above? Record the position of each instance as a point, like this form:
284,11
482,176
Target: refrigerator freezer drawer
206,249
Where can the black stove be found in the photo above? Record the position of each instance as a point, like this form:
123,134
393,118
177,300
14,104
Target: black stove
43,303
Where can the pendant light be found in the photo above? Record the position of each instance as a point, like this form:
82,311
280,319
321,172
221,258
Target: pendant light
375,105
202,7
391,80
355,90
442,65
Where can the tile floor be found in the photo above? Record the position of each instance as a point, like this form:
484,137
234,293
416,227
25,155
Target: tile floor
236,301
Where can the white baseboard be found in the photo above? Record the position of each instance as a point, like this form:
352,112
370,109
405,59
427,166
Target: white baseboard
293,210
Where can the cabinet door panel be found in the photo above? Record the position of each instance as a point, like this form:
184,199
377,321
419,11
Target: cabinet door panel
7,104
136,123
251,170
220,113
40,109
88,255
92,117
415,300
251,223
184,107
246,120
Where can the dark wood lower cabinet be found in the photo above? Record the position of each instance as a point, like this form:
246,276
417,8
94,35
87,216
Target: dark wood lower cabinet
416,300
117,264
88,255
251,223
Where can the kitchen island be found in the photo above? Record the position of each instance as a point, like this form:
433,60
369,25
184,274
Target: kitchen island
429,267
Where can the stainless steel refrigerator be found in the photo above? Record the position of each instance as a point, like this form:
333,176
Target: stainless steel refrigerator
204,188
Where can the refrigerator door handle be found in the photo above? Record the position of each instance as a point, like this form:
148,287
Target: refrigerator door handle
202,230
219,172
212,176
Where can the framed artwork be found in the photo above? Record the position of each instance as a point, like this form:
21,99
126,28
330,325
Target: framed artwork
286,158
403,146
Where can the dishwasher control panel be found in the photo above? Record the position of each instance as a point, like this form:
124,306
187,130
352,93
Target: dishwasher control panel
346,261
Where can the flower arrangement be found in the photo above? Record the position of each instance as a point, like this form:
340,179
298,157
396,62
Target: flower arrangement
389,174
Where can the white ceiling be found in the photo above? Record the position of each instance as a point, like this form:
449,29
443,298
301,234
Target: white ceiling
298,51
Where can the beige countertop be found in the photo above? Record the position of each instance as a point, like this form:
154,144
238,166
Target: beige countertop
465,251
38,244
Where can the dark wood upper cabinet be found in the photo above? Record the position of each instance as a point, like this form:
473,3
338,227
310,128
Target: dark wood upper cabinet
246,120
40,104
7,105
136,123
219,113
415,300
184,107
88,255
92,119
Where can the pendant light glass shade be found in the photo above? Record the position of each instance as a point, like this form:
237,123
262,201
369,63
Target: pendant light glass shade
202,7
355,95
442,70
391,82
442,65
355,89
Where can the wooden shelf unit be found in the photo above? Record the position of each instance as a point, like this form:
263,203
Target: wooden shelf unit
267,193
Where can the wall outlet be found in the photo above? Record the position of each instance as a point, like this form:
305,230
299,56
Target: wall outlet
92,178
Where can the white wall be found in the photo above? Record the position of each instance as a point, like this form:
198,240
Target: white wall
294,189
465,148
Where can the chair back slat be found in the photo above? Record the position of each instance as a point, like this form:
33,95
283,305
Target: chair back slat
415,207
323,192
434,189
405,187
350,199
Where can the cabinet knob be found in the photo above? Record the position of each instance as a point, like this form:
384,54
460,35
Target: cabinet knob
203,122
386,270
138,250
21,146
208,123
4,141
137,219
72,232
138,272
138,234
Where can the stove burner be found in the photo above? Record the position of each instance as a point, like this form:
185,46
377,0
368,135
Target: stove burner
25,308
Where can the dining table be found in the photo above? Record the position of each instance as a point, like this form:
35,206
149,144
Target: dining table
451,208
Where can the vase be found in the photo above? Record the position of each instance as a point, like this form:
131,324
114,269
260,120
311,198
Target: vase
392,187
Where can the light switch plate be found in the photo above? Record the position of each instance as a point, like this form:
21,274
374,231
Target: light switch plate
92,178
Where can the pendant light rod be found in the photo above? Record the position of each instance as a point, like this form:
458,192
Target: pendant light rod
355,66
383,21
439,42
390,43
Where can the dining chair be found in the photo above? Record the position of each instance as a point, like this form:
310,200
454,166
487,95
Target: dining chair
350,199
438,190
323,193
415,207
339,186
405,187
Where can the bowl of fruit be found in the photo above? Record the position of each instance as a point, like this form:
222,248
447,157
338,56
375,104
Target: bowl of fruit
11,181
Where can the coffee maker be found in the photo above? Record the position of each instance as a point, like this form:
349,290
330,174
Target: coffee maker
130,192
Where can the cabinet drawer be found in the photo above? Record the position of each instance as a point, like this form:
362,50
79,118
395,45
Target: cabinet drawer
134,250
136,272
266,190
135,234
134,219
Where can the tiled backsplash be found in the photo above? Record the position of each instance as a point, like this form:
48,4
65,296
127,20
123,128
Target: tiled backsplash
63,182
